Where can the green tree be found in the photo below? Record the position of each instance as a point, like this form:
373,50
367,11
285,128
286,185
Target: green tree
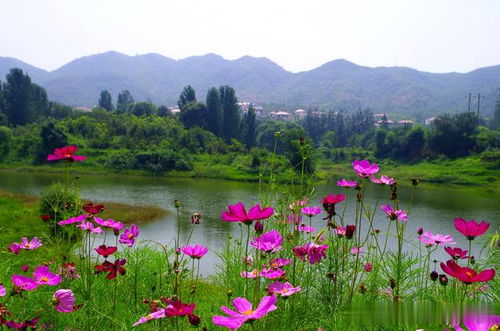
144,109
214,112
453,136
38,101
188,95
230,113
194,114
17,93
249,128
163,111
496,114
52,137
125,102
105,101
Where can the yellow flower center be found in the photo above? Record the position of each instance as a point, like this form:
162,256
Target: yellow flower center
248,312
131,236
44,279
27,245
469,273
67,155
284,290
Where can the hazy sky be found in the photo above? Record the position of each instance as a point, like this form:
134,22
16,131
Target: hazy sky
434,35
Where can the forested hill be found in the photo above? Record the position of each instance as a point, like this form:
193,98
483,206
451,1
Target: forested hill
336,84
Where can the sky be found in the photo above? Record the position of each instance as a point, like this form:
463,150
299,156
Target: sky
434,36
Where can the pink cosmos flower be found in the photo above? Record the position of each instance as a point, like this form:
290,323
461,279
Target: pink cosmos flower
384,180
250,274
284,290
269,242
316,252
72,220
272,273
24,283
129,235
311,211
89,226
471,229
332,199
64,300
305,228
340,231
66,153
109,223
429,239
68,271
31,245
456,253
298,203
301,252
156,315
14,248
106,250
43,276
479,322
89,207
467,275
28,324
244,312
364,168
3,291
178,308
346,183
279,262
356,250
368,267
237,213
392,214
195,252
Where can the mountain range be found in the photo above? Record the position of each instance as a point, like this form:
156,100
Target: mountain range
338,84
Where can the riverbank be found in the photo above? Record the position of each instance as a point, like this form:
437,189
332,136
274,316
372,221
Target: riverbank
125,213
470,171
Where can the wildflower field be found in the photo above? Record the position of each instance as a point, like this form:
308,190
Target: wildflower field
71,269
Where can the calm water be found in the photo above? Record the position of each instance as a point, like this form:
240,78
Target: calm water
434,207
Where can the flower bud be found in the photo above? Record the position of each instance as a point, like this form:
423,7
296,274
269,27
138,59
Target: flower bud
368,267
420,231
349,231
362,288
414,181
331,276
472,260
25,267
116,232
229,293
195,218
434,276
392,283
443,279
177,203
259,227
195,320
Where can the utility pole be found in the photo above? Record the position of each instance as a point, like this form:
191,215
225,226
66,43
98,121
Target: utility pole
470,97
479,103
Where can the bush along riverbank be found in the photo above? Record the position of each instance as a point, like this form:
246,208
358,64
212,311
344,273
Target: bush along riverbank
77,269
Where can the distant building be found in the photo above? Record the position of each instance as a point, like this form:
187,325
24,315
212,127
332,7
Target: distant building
299,114
379,115
430,120
281,115
406,122
386,122
85,109
174,110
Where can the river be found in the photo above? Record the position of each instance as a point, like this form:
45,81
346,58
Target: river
434,207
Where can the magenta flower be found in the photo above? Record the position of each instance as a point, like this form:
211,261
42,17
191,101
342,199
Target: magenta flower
279,262
298,203
272,273
106,250
156,315
479,322
24,283
64,301
66,154
89,226
429,239
305,228
471,229
316,252
332,199
456,253
129,235
364,168
31,245
393,215
72,220
311,211
340,231
346,183
237,213
43,276
14,248
250,274
384,180
294,218
3,291
284,290
269,242
244,312
178,308
195,252
368,267
109,223
467,275
356,250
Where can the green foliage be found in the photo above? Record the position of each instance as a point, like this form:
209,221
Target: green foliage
195,114
496,115
106,101
453,135
124,102
188,95
214,112
52,137
59,202
144,109
230,113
